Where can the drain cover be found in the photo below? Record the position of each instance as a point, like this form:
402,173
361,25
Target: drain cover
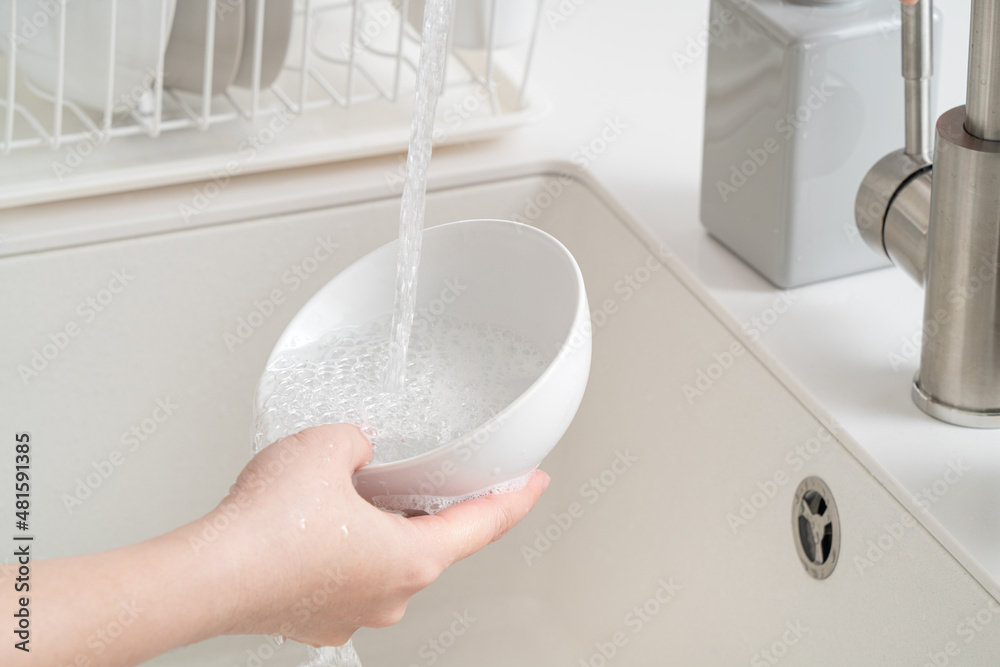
816,527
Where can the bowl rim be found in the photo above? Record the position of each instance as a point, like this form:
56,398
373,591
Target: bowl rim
579,323
493,424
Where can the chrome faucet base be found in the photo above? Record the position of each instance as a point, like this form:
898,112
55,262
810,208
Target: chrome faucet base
941,224
949,413
960,355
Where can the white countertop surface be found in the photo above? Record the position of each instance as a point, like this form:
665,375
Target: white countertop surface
614,61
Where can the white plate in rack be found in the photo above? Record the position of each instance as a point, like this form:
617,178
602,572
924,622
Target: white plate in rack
278,15
138,26
184,64
284,140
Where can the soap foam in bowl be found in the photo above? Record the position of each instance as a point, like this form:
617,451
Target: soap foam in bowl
499,274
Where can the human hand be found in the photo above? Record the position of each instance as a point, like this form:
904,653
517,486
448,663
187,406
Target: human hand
297,527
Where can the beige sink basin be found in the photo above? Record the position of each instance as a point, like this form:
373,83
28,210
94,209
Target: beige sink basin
666,536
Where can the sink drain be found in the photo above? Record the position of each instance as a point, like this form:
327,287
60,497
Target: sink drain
816,526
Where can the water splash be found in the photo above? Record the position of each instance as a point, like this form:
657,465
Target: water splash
460,375
333,656
430,78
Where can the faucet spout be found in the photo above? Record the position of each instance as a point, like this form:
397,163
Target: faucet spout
918,66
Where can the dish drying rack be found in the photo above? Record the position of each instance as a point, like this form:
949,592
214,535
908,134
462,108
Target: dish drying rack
347,102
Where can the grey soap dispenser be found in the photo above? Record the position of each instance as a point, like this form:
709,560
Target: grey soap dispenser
802,98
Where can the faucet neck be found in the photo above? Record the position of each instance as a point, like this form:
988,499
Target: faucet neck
918,66
982,109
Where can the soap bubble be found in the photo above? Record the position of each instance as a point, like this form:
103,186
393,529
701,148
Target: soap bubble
459,375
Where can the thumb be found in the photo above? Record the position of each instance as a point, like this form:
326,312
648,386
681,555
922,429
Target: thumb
464,529
350,447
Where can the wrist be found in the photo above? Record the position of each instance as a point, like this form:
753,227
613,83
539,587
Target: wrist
215,573
241,562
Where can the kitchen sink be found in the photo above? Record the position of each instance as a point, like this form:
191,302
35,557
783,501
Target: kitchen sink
672,532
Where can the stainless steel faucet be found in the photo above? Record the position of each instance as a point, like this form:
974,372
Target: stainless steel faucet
940,222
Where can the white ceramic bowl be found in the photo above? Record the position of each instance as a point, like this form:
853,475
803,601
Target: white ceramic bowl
514,22
88,47
515,276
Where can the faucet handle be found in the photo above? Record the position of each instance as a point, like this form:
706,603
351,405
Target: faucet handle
918,66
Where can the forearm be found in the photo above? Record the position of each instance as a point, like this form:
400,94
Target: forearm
293,549
121,607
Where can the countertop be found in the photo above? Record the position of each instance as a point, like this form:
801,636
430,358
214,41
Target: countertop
626,83
636,67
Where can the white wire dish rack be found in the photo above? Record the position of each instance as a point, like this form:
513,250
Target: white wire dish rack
92,99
